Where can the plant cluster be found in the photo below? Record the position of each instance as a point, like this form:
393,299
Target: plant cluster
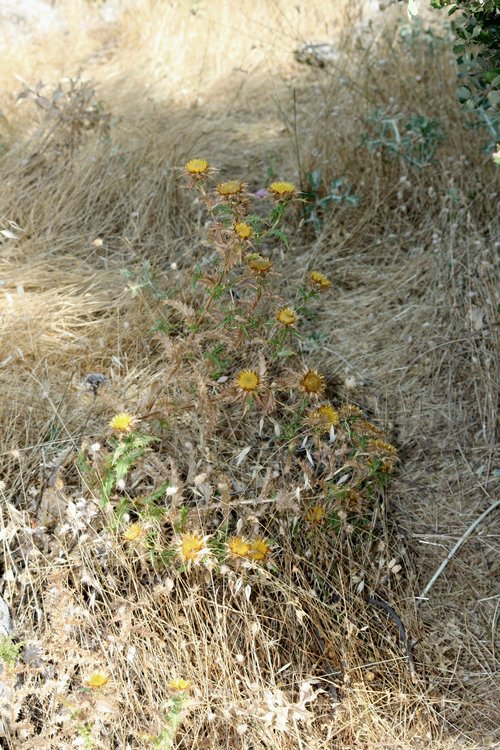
476,25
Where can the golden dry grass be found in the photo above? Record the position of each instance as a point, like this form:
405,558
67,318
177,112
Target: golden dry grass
408,334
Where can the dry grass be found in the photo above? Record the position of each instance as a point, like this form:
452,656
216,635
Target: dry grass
408,334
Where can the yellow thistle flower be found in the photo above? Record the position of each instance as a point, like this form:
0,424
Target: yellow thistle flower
259,264
380,446
248,381
123,422
364,427
312,383
228,189
282,190
319,280
316,514
191,548
349,410
259,549
239,547
135,531
325,417
197,167
178,684
286,316
97,680
243,230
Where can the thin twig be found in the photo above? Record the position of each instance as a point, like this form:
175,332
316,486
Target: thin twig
454,550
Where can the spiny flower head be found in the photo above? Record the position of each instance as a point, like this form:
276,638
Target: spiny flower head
238,546
228,189
324,417
123,422
380,446
192,548
312,383
178,684
259,549
134,532
259,264
248,380
97,680
243,230
197,167
282,190
319,281
364,427
316,514
286,316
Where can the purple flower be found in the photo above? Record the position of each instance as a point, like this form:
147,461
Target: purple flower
262,193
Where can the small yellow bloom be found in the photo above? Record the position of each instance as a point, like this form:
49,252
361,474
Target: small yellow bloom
227,189
135,531
243,230
325,417
312,383
259,264
248,381
192,547
259,549
97,680
238,546
282,190
320,281
286,316
123,422
197,167
316,514
178,684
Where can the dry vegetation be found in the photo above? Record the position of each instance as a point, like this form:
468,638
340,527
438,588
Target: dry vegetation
286,647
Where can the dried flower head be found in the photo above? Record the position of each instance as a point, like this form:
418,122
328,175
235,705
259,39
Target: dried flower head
239,546
134,532
229,189
380,446
286,316
192,548
248,381
316,514
319,281
123,422
325,417
97,680
243,230
312,383
282,190
364,427
259,264
178,684
197,167
259,549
